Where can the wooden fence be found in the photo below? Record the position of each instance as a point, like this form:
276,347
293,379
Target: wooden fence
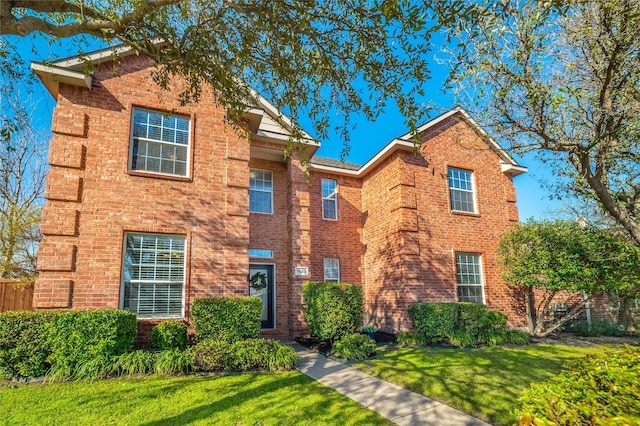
15,296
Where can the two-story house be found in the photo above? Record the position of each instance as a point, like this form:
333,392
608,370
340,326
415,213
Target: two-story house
150,204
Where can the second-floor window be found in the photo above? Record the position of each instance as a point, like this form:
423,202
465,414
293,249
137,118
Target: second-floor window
329,199
159,143
461,190
260,191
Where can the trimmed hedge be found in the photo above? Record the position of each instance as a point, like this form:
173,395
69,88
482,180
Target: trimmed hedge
354,346
461,324
170,334
332,310
76,337
597,390
227,318
23,343
244,355
433,322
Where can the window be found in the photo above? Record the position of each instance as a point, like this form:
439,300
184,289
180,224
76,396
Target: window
469,275
259,253
461,190
331,269
153,275
329,199
260,191
160,143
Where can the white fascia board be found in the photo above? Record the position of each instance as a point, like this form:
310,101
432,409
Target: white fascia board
274,112
382,155
52,76
512,170
284,137
100,55
431,123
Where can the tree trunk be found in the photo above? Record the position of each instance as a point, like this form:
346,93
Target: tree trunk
624,313
531,313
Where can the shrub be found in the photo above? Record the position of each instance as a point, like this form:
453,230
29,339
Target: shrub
174,361
408,338
77,337
470,317
433,322
100,367
332,310
353,346
600,389
136,362
243,355
227,318
23,343
516,337
598,328
461,339
170,335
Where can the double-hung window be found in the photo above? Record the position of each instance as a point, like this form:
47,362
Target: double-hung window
331,269
329,199
159,143
153,274
461,190
469,277
260,191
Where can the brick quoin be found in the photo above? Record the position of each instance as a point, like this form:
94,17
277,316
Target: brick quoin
395,236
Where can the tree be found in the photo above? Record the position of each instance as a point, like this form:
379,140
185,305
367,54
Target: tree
22,179
323,59
545,258
564,83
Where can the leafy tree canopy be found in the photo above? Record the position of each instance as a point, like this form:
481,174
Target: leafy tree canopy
564,83
320,58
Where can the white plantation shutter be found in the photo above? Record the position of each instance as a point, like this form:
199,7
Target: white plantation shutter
153,275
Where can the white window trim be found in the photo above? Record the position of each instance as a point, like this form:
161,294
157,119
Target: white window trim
333,198
324,269
480,271
262,190
131,142
473,190
184,274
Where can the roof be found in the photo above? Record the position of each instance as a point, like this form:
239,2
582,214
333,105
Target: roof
330,162
407,142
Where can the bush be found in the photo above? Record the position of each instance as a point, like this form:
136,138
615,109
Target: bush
174,361
461,339
136,362
353,346
170,335
599,389
244,355
517,337
23,343
77,337
470,317
227,318
434,322
408,338
598,328
332,310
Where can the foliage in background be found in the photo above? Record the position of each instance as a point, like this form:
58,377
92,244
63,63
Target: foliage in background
23,166
564,256
170,334
320,59
599,389
23,343
563,83
332,309
353,346
77,337
460,324
227,318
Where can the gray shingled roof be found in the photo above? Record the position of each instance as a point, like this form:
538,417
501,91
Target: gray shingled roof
330,162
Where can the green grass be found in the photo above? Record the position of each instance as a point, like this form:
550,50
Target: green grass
484,382
244,399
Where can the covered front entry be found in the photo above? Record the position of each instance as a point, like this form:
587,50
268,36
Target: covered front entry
267,295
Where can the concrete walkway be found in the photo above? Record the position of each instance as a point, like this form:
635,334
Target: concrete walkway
399,405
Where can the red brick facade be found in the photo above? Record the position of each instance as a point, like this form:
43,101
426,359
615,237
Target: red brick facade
395,234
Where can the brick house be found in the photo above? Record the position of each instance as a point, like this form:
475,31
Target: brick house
150,204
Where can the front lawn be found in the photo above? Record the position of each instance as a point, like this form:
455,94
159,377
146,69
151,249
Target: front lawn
484,382
243,399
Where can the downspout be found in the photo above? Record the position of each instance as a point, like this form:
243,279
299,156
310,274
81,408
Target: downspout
587,309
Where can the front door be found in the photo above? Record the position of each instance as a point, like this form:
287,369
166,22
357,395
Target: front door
266,294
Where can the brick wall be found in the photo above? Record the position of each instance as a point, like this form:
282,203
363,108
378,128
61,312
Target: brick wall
92,198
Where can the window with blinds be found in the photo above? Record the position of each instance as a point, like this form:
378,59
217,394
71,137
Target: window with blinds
153,275
331,269
160,142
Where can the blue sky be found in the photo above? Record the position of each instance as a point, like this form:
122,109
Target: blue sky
366,140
